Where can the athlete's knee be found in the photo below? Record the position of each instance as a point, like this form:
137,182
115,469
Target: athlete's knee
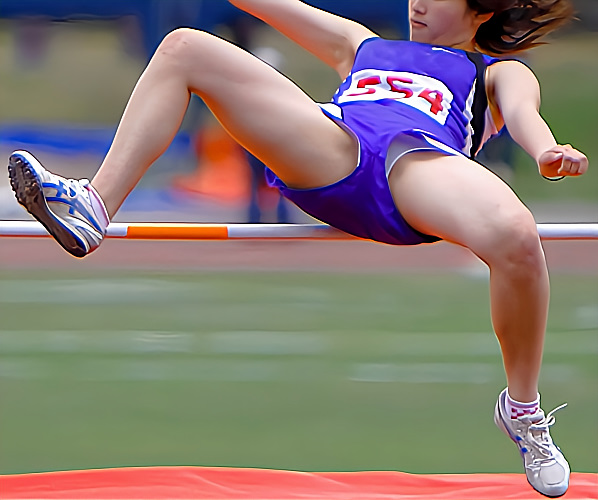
513,242
179,44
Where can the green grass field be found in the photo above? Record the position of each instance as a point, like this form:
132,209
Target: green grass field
308,371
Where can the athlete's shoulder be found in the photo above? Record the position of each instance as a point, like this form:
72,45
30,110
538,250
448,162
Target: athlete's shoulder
510,71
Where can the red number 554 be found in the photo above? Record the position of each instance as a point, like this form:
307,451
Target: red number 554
403,87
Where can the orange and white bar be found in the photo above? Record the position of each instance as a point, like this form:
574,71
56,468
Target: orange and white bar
189,231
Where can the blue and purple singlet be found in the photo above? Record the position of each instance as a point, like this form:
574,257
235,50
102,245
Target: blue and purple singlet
400,97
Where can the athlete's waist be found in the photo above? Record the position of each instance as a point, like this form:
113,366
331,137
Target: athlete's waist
387,119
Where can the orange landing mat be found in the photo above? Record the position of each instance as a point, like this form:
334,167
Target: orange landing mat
221,483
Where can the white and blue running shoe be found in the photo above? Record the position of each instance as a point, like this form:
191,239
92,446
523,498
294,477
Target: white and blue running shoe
63,206
545,466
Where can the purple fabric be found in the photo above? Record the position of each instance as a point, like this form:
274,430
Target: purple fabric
396,88
360,204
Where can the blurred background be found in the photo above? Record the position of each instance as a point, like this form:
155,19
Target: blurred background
67,69
292,355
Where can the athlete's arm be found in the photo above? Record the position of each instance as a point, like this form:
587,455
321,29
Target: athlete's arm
331,38
515,92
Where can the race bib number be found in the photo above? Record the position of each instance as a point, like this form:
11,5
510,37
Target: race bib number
427,94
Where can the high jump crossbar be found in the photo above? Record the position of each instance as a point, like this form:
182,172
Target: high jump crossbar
157,231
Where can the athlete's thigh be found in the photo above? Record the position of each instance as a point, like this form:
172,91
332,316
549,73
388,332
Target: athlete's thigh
268,114
457,200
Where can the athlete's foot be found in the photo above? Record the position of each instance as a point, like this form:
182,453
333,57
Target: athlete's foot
71,210
545,466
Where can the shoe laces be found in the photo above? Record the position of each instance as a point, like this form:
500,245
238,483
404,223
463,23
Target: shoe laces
539,436
70,187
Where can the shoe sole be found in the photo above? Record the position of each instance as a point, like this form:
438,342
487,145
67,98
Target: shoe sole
28,190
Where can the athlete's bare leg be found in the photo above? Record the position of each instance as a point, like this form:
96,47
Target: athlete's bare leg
460,201
264,111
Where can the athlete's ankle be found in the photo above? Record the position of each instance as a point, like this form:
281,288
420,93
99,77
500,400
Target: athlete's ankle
98,205
518,408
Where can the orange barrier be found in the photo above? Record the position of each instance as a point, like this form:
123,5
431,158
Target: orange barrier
222,170
185,483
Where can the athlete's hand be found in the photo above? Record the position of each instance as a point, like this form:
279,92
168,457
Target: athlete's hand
562,161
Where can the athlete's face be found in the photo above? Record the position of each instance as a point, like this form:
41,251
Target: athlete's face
444,22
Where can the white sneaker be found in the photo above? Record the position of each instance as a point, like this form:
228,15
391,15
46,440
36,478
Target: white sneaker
63,206
545,466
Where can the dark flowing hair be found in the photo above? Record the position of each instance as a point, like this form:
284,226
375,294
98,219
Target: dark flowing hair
517,24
